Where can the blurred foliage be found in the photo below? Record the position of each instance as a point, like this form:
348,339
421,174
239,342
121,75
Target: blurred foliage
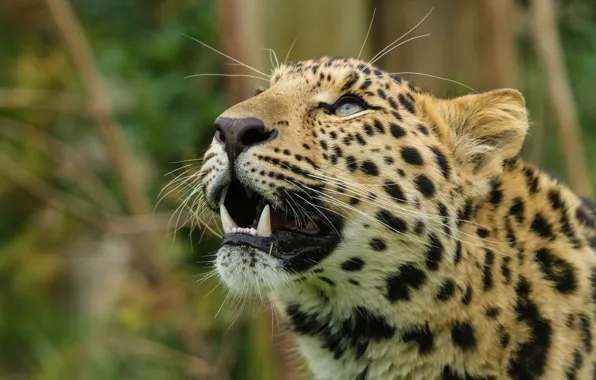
70,305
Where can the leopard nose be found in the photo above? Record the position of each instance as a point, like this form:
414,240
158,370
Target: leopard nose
238,135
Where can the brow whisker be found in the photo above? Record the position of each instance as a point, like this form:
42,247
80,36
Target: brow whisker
367,32
225,55
404,35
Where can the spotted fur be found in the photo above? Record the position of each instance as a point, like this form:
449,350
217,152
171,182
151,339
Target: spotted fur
457,260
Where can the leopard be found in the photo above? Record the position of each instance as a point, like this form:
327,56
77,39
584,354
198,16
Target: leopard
400,234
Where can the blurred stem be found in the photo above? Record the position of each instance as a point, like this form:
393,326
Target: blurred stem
57,199
550,57
146,245
120,154
45,100
63,154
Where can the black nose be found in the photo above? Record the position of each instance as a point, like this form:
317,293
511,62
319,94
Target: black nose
240,134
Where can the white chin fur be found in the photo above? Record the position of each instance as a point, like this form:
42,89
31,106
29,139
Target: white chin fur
248,271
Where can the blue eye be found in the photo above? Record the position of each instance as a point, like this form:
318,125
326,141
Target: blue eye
347,106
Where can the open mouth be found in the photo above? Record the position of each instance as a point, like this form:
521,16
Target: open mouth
297,233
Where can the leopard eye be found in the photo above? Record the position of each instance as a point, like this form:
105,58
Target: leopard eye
347,106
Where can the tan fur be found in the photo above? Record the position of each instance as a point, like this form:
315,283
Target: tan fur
472,264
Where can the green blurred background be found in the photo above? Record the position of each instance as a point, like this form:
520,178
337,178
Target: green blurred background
100,281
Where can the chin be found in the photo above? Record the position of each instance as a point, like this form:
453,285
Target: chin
248,271
266,246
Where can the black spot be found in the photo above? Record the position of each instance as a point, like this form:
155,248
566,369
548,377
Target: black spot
392,103
350,81
586,332
578,361
378,126
425,185
355,332
504,336
354,282
365,69
377,244
396,130
492,311
351,163
434,253
556,270
327,280
353,264
360,139
584,217
554,198
451,374
487,273
422,336
529,358
542,227
323,144
388,160
382,94
462,335
406,103
391,222
445,218
419,227
365,325
482,232
505,270
465,213
531,180
400,284
363,374
401,173
354,201
457,255
411,156
517,209
510,233
467,297
441,160
446,290
394,191
496,194
370,168
368,129
337,150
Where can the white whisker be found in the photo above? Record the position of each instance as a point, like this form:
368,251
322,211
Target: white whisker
404,35
225,55
367,32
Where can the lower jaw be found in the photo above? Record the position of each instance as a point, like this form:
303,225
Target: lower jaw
297,252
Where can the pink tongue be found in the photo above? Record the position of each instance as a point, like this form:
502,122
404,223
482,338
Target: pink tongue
278,221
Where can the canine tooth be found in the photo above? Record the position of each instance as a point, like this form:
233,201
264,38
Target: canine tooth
264,227
226,220
224,192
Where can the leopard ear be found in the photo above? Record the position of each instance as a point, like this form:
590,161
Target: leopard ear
482,130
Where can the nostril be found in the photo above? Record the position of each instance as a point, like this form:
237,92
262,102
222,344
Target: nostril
254,136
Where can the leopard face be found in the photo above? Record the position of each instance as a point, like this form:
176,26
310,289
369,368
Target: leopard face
336,161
